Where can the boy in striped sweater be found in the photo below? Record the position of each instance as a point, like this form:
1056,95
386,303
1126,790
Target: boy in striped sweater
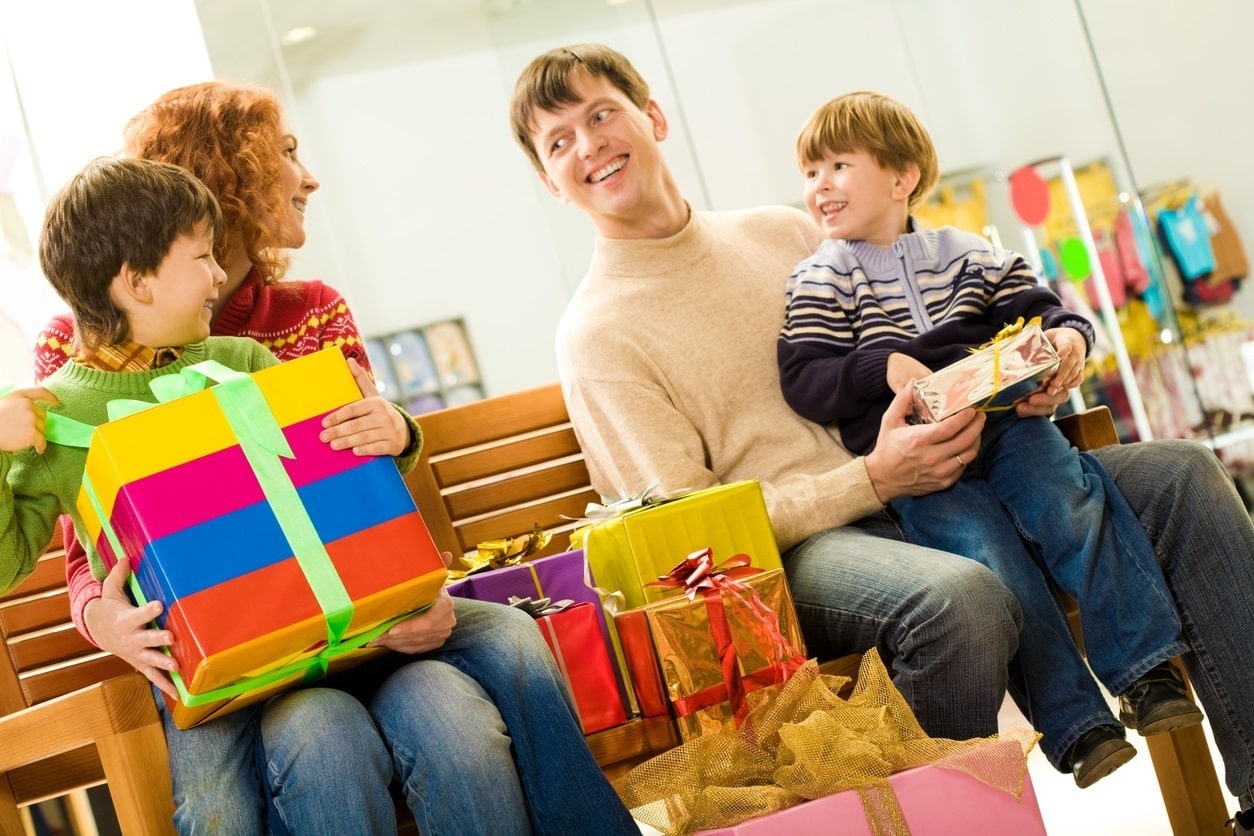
883,302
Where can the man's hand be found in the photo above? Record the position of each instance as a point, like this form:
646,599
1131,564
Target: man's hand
370,427
918,459
22,419
121,628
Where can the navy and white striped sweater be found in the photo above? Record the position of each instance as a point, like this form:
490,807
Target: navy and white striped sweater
932,295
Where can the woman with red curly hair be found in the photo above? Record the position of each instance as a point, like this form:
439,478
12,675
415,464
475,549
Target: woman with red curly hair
445,713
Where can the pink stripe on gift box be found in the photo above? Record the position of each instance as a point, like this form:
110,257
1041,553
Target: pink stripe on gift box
216,485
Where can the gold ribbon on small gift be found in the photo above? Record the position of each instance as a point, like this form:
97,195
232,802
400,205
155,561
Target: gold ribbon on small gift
719,586
806,742
497,554
1008,332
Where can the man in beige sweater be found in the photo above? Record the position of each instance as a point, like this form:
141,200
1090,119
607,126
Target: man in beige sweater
667,360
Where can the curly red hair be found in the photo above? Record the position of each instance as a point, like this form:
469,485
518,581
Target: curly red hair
228,136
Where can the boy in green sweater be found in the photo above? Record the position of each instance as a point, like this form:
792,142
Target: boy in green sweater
128,244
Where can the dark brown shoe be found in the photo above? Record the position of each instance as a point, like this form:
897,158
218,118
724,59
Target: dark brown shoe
1097,753
1158,702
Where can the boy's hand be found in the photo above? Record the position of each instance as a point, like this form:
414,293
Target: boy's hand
22,419
371,426
903,370
1070,345
122,628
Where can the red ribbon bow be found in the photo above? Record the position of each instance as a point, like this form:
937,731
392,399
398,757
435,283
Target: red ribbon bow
697,573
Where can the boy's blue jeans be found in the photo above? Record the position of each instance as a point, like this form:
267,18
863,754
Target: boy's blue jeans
480,734
1043,517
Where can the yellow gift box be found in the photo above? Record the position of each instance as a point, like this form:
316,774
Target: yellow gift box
638,546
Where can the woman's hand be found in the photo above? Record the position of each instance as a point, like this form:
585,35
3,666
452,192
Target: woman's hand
121,628
371,426
918,459
424,632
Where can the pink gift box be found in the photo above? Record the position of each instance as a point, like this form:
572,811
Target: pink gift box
934,801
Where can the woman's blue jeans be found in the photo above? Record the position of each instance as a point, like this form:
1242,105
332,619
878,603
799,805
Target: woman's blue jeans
480,734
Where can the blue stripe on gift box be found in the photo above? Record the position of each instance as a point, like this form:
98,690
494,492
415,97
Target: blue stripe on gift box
235,544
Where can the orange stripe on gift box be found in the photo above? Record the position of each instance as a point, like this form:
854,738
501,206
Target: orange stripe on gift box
269,617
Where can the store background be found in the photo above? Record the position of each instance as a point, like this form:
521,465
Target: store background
429,214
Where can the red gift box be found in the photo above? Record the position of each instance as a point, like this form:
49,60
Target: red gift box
578,646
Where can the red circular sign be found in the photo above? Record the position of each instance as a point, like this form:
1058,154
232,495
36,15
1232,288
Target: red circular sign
1029,196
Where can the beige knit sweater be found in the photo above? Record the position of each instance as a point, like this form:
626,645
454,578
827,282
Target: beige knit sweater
667,360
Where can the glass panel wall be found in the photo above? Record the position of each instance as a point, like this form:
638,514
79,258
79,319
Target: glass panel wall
428,212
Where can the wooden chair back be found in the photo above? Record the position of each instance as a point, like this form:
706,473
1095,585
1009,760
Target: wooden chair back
495,468
73,716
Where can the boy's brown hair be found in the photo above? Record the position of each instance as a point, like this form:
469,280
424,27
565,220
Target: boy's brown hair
882,127
228,136
115,212
546,84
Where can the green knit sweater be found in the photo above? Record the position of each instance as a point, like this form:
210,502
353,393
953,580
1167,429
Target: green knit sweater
38,488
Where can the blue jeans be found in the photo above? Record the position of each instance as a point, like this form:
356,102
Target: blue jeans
1204,538
947,628
481,735
1039,516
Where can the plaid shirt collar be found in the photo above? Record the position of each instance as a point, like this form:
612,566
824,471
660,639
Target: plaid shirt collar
128,356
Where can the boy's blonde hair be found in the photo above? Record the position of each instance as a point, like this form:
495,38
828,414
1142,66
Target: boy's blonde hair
882,127
547,83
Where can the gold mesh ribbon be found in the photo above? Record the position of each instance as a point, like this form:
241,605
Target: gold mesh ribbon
803,741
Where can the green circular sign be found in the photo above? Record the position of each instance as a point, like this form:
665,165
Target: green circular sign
1075,259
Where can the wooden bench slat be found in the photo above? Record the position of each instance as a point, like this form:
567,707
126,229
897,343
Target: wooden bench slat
478,464
514,490
36,612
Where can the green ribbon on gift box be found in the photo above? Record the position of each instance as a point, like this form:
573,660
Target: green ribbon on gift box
264,446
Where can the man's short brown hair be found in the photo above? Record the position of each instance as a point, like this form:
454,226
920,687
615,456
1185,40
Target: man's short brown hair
547,84
882,127
115,212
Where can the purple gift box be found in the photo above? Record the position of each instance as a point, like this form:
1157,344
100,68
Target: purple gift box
557,577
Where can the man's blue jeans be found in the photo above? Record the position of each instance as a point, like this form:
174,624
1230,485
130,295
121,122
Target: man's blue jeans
480,734
947,628
1039,516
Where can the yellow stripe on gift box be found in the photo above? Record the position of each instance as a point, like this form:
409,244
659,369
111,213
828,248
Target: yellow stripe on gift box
189,428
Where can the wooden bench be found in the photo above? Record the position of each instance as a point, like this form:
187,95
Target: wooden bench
73,717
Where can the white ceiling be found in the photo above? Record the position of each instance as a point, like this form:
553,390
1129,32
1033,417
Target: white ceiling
359,35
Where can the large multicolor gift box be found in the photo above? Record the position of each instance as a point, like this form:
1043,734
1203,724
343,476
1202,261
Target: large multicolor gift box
557,577
934,801
275,556
737,632
1016,363
628,550
573,634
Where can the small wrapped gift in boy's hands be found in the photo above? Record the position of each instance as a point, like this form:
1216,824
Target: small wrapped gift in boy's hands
996,376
